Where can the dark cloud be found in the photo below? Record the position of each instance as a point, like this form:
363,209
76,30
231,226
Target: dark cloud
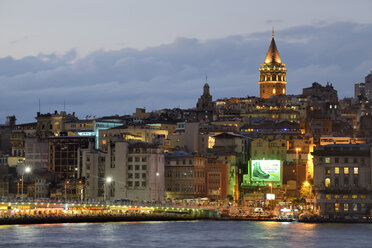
172,75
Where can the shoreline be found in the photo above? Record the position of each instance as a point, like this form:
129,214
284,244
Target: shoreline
112,218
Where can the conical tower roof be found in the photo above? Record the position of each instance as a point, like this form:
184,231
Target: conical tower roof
273,54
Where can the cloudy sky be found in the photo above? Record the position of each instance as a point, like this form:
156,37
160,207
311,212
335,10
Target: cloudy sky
109,57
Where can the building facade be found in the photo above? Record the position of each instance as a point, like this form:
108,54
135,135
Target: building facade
342,180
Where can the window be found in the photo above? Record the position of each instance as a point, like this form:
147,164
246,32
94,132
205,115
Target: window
137,167
363,197
336,160
144,175
130,167
355,160
346,207
137,184
169,187
130,184
136,175
137,159
337,206
327,182
355,207
346,170
328,171
337,170
130,175
346,160
144,159
354,196
144,167
130,159
356,170
336,196
328,196
345,197
327,160
143,184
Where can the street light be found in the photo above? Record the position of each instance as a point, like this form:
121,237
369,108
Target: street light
67,182
298,149
156,186
271,187
108,181
26,170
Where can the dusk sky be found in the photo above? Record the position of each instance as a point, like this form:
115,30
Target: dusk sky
109,57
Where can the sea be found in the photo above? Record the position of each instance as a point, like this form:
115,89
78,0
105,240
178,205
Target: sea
178,234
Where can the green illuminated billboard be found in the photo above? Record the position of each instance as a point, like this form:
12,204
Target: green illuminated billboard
265,170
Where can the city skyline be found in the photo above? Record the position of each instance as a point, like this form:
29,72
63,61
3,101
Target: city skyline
170,73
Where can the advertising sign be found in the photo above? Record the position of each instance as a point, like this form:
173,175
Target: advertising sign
265,170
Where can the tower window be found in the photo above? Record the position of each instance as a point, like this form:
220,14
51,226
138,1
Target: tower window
283,91
274,91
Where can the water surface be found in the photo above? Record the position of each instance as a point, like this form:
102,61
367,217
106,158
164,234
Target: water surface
187,234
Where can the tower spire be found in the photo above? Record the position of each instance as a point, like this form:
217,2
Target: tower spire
272,33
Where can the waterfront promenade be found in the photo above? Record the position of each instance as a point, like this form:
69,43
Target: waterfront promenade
29,212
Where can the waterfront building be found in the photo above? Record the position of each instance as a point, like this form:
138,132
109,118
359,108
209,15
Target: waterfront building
184,175
216,173
133,170
63,155
342,180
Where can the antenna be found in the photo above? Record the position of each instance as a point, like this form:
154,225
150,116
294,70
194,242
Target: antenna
39,105
206,78
64,105
273,32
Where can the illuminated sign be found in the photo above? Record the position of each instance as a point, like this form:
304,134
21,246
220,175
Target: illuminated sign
265,170
86,133
50,208
270,196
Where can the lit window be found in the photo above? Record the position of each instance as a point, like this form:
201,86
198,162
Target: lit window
354,196
328,171
328,196
327,182
327,160
345,196
355,207
274,91
363,197
336,196
283,91
337,170
346,170
356,170
346,207
337,206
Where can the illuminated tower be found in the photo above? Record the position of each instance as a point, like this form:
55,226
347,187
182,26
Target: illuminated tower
273,74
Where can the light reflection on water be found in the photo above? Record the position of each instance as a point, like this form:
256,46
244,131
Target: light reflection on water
186,234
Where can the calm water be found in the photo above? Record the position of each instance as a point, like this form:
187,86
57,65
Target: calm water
187,234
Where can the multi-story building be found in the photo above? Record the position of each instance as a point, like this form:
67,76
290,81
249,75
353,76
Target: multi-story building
343,179
216,174
128,169
63,156
184,176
